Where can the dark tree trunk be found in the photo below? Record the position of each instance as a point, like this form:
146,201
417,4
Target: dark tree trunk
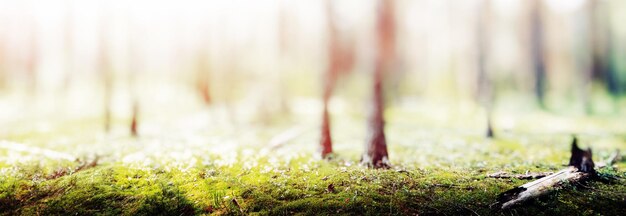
376,145
602,61
603,66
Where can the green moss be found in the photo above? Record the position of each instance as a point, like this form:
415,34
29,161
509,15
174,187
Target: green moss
440,170
116,189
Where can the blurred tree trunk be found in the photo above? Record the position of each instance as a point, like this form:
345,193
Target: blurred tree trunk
284,47
203,80
31,62
69,48
603,69
134,131
104,68
484,94
330,78
3,63
340,60
135,67
537,50
376,144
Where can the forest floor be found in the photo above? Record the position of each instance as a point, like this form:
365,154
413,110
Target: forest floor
441,164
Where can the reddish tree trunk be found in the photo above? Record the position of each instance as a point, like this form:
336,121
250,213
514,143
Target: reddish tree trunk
326,143
133,124
340,60
203,80
376,145
31,63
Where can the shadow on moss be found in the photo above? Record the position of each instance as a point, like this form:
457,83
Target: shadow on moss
93,193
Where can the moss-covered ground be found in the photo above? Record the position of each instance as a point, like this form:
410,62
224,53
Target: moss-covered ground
438,169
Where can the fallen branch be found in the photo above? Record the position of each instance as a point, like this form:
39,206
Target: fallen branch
541,187
527,175
581,169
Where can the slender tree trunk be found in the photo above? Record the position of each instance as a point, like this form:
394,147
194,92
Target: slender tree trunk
133,76
3,63
326,143
330,78
376,145
340,61
484,93
31,63
134,122
107,79
69,48
202,77
537,52
284,48
603,55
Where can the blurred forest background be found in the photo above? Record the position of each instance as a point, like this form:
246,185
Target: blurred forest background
259,60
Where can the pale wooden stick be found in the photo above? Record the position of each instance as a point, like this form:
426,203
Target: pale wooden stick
541,187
